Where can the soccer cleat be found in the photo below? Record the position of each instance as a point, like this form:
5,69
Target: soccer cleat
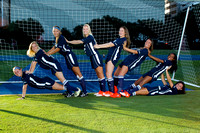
83,94
115,89
77,93
108,93
100,93
125,94
97,93
68,95
116,95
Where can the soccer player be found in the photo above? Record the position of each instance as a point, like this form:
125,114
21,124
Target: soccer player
47,62
36,82
113,56
155,72
171,89
95,58
131,62
63,48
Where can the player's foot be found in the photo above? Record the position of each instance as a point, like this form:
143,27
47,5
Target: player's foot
100,93
68,94
116,95
83,94
108,93
77,93
125,94
115,89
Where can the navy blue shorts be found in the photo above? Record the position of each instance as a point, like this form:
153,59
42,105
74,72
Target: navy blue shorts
110,59
96,61
151,74
71,60
130,61
49,62
43,83
55,67
152,89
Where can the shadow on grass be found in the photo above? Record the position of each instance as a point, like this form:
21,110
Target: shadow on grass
169,106
48,120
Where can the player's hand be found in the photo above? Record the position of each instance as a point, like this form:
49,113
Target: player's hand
28,72
168,68
96,46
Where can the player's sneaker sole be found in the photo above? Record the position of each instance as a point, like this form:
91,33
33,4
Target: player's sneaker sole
77,93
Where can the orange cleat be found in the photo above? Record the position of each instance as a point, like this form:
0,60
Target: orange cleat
100,94
115,95
108,94
115,89
125,94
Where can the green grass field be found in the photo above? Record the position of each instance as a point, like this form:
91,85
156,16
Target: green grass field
54,113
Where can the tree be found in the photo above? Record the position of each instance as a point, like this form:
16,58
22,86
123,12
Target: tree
23,31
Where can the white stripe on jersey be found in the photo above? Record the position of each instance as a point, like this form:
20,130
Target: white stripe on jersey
50,63
160,72
70,56
65,48
39,84
92,48
164,92
136,62
97,58
115,56
153,93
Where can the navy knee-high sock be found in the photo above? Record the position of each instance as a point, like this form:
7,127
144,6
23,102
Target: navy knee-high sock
82,82
121,83
111,84
132,86
135,88
102,83
68,86
116,80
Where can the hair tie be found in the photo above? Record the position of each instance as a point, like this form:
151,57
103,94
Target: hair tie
17,68
56,28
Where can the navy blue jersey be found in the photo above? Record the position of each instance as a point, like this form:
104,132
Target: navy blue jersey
135,60
63,45
158,70
36,82
65,50
89,43
114,52
47,62
162,90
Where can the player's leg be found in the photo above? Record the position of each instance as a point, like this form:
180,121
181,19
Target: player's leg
145,80
57,86
66,84
143,91
116,74
123,71
81,80
97,65
109,71
101,78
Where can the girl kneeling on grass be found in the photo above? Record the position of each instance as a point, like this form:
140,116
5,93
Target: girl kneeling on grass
36,82
171,89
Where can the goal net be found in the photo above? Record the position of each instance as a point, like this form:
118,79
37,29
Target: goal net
24,21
